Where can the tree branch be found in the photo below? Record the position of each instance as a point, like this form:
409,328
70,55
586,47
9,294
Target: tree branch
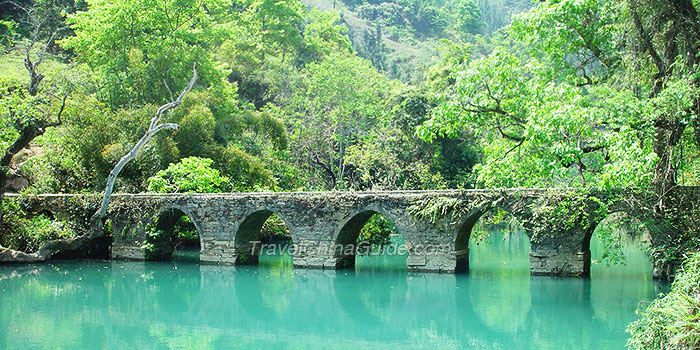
177,102
649,47
96,220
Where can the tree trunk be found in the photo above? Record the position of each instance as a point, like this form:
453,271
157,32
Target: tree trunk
668,136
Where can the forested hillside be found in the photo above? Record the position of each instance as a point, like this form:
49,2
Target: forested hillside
401,37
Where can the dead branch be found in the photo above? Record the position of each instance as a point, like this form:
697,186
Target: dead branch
154,128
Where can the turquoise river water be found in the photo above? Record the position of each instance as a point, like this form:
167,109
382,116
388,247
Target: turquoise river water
379,305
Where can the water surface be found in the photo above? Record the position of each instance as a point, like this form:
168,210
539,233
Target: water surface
184,305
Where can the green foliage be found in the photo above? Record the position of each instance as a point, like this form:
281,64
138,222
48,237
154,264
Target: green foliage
274,229
467,16
323,37
399,37
571,34
153,245
563,114
135,45
673,320
339,102
184,229
7,32
612,232
24,232
442,211
168,232
377,232
515,106
393,157
18,110
190,175
283,103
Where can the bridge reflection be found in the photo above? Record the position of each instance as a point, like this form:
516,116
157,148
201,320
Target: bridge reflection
180,305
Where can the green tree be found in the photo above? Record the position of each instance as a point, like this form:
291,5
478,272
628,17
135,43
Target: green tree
567,111
342,98
136,45
663,65
323,36
28,109
467,17
266,50
392,157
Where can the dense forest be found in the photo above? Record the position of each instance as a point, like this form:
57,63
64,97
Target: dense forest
285,100
349,95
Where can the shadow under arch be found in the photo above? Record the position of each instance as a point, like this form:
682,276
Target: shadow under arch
173,227
247,239
346,246
47,213
464,232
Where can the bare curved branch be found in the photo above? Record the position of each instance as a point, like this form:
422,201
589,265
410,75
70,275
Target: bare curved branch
154,128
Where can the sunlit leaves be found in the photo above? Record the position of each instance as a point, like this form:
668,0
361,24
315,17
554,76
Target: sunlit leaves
337,103
190,175
569,114
135,45
676,101
537,131
577,37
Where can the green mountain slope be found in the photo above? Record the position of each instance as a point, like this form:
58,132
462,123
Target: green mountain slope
400,37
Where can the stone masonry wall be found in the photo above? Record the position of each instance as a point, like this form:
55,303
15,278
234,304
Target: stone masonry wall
317,221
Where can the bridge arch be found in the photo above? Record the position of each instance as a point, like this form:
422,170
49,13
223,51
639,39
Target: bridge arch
345,246
625,225
465,227
247,236
161,236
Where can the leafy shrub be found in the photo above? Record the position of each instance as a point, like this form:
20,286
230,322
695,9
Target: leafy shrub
28,234
155,239
190,175
7,31
169,231
672,321
274,229
184,229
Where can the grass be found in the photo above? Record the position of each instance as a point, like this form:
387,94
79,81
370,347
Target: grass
12,65
672,321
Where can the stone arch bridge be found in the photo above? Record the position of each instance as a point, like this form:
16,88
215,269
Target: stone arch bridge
436,225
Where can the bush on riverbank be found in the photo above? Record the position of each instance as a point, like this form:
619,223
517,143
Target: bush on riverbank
23,232
672,321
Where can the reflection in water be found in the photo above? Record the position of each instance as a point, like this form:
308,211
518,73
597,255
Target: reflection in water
499,282
618,288
182,305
